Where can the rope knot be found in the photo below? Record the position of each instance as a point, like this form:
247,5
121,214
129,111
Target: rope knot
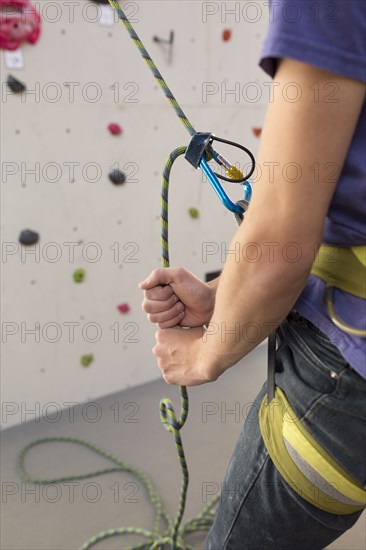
168,416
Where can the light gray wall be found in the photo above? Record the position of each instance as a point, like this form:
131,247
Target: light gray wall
52,128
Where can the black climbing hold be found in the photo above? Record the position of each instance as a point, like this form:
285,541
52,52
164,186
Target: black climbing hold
117,177
101,1
15,85
28,236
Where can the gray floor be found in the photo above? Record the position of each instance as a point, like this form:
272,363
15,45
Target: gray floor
63,516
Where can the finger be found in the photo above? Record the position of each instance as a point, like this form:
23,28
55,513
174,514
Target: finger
156,306
159,293
167,316
162,316
172,322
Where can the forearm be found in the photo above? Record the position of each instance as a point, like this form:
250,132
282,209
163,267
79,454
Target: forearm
252,298
214,283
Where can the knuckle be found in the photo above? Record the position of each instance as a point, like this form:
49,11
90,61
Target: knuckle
149,294
168,377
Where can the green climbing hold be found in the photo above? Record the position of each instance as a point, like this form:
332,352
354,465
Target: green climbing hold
193,212
79,275
86,360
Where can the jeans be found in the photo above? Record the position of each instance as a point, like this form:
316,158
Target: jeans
258,510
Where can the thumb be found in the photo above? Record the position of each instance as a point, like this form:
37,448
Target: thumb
160,276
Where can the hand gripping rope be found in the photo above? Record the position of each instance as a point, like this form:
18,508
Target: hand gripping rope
198,153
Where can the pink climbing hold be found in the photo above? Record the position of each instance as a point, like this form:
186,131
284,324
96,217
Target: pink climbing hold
257,131
19,22
123,308
226,35
115,129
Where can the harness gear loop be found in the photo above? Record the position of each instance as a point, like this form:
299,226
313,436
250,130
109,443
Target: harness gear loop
344,269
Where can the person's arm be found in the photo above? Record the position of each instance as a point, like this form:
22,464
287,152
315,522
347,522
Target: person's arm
289,205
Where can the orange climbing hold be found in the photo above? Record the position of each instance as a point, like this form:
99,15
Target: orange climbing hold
226,35
257,131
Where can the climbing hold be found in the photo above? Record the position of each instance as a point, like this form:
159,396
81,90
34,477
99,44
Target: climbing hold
257,131
28,236
193,212
117,177
15,85
101,1
123,308
79,275
226,35
115,129
87,359
19,22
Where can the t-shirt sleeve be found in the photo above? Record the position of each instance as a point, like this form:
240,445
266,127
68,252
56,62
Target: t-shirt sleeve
328,34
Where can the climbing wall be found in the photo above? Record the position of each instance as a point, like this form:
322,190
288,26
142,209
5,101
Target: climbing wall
72,325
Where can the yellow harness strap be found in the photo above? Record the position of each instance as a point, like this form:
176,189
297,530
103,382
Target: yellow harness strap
305,465
345,269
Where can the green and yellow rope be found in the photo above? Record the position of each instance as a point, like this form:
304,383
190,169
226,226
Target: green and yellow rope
173,534
150,63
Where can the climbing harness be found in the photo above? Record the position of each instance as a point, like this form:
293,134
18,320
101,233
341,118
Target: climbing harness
309,470
303,463
344,269
198,153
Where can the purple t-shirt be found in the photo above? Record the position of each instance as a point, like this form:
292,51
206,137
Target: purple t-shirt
330,35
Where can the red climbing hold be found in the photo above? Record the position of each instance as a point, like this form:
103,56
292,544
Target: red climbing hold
19,22
257,131
115,129
226,35
123,308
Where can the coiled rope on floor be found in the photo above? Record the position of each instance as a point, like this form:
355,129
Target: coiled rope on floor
173,534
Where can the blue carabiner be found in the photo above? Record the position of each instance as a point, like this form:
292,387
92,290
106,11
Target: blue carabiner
219,190
200,149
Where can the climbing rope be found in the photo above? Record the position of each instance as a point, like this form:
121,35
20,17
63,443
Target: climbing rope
150,63
174,532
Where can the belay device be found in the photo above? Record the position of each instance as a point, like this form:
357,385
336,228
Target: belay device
200,150
198,153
